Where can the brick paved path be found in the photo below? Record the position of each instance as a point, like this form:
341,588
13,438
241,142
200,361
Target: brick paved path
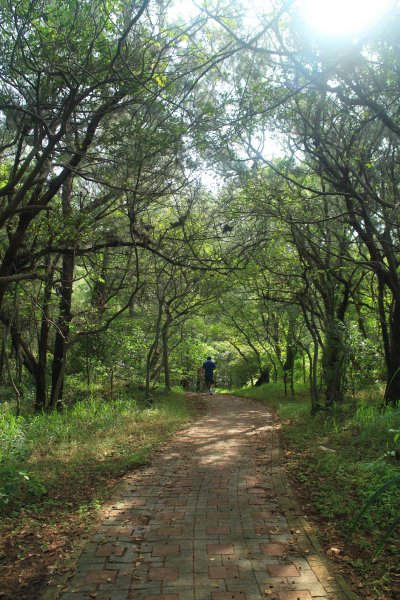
209,519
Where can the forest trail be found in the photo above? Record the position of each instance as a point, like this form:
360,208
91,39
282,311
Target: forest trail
211,518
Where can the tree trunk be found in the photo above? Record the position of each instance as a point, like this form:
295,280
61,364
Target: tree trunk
332,362
314,376
288,368
41,369
2,357
64,319
275,371
14,386
392,391
18,354
151,355
62,335
334,353
313,359
264,377
165,358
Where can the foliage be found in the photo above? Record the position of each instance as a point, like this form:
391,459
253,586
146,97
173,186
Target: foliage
18,484
130,265
44,453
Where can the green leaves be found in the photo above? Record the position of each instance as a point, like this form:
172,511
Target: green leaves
375,497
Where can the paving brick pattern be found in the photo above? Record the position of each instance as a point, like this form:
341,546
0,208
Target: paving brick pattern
212,518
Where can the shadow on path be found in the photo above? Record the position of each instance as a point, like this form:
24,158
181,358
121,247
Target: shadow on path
212,518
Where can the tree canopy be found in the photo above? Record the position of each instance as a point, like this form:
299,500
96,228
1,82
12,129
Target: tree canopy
172,186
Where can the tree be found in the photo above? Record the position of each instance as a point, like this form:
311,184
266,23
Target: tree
94,141
336,108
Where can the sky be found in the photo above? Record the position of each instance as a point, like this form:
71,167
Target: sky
341,20
326,17
342,17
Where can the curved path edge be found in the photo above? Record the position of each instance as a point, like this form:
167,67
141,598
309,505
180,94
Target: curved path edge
306,535
213,517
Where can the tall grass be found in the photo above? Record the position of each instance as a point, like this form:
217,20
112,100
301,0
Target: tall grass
39,453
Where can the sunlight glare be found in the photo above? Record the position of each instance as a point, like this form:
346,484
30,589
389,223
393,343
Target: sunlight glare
342,17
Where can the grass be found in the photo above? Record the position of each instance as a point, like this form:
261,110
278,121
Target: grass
43,452
57,469
338,460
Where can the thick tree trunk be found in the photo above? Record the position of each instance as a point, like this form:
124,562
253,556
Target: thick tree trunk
332,362
288,368
334,354
264,377
313,358
40,388
392,391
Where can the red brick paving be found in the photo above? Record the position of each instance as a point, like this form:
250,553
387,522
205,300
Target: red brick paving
298,595
283,571
162,531
274,549
228,596
115,531
161,574
219,529
220,491
220,549
162,597
100,576
109,550
211,511
223,572
217,502
166,550
172,516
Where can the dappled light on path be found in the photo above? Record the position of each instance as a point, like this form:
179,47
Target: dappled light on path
210,519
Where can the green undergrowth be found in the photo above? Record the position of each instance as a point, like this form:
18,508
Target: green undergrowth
339,460
65,457
56,471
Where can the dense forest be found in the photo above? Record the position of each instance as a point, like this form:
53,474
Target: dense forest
172,186
179,183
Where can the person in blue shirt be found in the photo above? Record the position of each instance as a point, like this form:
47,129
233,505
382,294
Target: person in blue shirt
209,367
